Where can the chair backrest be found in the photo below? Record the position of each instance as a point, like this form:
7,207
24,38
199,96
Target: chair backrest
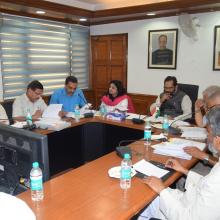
7,105
191,91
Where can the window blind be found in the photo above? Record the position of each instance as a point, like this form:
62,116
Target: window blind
42,50
80,54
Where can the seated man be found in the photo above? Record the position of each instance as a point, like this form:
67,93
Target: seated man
69,96
31,102
172,101
210,98
201,198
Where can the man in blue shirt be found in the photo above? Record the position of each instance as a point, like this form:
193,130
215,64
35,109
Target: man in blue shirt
69,96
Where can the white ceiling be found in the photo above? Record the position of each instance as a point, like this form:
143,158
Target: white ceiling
105,4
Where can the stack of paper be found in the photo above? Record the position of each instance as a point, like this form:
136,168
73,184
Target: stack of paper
179,123
149,169
132,115
52,124
194,133
175,147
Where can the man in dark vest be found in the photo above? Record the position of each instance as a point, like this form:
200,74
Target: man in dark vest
172,102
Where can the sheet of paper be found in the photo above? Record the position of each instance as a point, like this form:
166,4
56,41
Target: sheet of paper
52,111
149,169
175,147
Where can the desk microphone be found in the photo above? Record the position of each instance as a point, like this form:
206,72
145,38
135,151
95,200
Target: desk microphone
176,131
138,120
89,114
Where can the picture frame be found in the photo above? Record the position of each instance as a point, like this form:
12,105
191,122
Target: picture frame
216,51
162,49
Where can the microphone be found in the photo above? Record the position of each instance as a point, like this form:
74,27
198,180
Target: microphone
177,131
88,114
138,120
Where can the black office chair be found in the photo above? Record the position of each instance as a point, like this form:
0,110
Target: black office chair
192,92
7,105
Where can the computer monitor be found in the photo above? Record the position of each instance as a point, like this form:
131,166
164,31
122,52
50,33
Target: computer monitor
18,150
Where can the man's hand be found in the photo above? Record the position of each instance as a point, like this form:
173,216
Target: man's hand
62,114
164,97
37,114
154,183
199,104
174,164
195,152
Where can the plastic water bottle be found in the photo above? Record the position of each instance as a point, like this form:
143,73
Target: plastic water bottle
125,173
165,125
77,113
29,118
36,178
103,110
147,133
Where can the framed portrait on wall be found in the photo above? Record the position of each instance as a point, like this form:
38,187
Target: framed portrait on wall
216,57
162,49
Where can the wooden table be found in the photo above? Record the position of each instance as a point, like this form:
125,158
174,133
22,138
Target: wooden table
89,193
86,140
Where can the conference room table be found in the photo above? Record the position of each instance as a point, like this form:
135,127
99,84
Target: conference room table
88,192
86,140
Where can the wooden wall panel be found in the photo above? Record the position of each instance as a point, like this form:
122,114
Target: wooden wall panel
142,102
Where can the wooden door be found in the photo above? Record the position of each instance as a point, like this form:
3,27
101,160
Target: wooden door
109,62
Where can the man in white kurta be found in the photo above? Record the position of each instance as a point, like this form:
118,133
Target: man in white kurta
201,200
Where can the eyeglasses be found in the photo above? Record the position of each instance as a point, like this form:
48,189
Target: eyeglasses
171,87
210,108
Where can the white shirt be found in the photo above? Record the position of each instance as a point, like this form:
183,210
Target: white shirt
199,202
22,105
12,208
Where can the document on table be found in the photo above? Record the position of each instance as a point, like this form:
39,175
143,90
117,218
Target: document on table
52,111
132,115
175,148
194,132
149,169
52,124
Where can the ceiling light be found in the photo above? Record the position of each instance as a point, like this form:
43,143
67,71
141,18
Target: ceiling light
83,19
40,12
151,14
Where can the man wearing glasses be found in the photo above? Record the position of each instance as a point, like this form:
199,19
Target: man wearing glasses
69,96
172,102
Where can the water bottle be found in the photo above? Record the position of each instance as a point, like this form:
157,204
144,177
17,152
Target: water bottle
147,133
36,178
77,113
103,110
165,125
125,173
29,118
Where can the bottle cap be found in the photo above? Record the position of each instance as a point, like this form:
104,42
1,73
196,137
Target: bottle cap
35,164
127,156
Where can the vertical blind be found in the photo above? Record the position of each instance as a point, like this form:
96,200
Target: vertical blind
42,50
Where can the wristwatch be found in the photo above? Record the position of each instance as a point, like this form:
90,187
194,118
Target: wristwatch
206,159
